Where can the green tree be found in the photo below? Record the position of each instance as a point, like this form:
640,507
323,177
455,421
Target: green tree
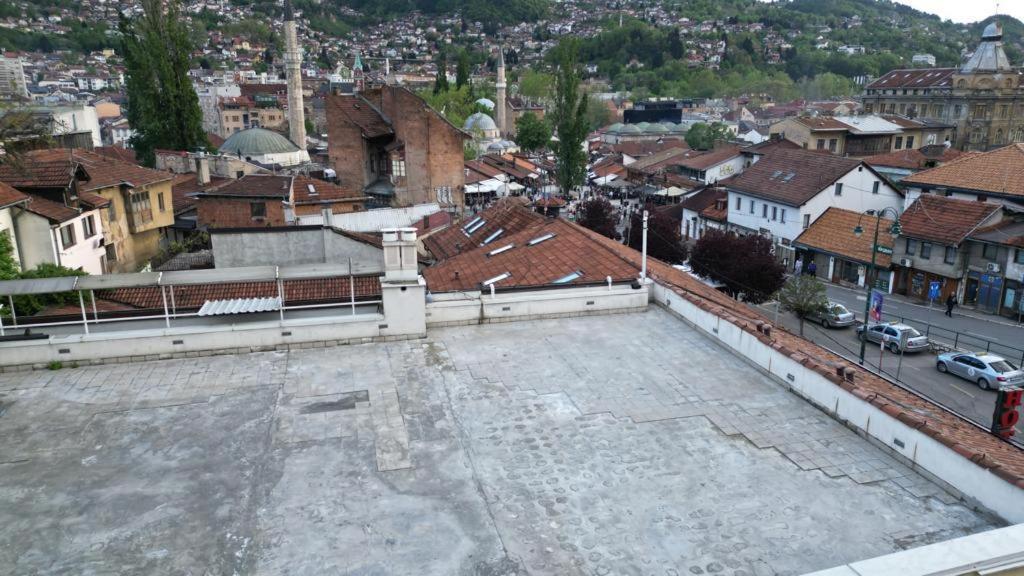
703,136
532,133
536,85
570,118
29,304
441,80
163,108
462,70
598,115
8,266
804,296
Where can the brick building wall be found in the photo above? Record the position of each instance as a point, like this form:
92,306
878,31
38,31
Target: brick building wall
433,149
348,152
222,212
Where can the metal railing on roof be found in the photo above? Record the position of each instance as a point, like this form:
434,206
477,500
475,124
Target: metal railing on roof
166,281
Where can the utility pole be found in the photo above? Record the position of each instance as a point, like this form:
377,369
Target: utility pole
643,269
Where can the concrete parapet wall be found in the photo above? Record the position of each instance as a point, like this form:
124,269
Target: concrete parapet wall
976,484
476,308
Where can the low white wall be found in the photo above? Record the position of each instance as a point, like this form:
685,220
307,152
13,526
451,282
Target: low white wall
998,551
923,451
452,309
196,340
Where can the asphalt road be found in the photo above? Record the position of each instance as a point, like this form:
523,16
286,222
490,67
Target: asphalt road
916,370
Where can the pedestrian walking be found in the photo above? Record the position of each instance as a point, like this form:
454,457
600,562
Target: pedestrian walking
798,267
812,268
950,303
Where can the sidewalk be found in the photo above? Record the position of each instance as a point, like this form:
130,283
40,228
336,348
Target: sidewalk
958,311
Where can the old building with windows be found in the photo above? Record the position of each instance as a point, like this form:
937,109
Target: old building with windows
982,100
390,145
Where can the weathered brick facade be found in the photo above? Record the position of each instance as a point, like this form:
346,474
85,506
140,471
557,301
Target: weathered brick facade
377,135
224,212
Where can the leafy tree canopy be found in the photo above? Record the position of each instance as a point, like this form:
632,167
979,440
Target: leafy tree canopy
599,215
803,295
703,136
745,264
532,133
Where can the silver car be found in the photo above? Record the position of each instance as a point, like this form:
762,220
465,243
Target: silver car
986,370
890,336
836,316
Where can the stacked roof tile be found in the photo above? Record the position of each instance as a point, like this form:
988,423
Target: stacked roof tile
944,220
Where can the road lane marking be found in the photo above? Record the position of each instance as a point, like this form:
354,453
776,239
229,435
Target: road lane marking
962,391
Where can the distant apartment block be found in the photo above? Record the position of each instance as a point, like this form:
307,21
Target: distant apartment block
12,78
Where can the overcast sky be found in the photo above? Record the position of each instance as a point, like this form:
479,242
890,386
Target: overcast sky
968,10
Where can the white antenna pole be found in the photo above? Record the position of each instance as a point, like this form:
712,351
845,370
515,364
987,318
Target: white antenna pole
643,266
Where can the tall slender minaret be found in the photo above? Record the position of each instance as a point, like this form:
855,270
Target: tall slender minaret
499,104
293,70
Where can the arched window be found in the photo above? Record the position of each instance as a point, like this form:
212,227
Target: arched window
961,83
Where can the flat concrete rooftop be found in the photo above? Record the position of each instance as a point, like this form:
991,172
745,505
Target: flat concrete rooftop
625,444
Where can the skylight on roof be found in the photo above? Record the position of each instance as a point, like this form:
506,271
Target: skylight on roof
311,189
540,239
497,251
472,222
493,236
789,177
496,279
475,227
568,278
776,174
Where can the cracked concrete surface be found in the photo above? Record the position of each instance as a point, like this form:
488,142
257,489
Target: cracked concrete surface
603,445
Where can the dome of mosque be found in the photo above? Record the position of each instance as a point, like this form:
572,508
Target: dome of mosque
257,142
479,122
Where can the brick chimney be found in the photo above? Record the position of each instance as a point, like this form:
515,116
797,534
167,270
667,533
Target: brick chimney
202,169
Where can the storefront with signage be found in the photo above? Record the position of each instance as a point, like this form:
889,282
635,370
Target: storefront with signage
920,284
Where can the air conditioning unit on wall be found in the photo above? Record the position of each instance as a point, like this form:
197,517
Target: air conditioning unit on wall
992,268
906,262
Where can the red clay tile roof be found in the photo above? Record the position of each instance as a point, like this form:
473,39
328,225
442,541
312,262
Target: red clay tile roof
792,176
977,446
769,146
997,172
943,220
484,169
912,159
432,222
104,171
669,156
117,153
50,210
9,195
704,198
568,251
1007,233
709,159
508,214
295,292
325,191
359,111
215,140
93,200
916,78
254,186
833,232
186,185
31,172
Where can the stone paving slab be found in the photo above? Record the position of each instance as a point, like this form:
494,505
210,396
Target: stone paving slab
624,444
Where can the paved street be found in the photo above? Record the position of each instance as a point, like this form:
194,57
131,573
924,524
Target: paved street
918,370
626,445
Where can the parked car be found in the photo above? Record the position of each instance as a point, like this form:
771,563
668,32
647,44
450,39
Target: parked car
985,370
835,316
890,335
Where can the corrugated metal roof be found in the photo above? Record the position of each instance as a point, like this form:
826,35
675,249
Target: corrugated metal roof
376,220
869,125
239,306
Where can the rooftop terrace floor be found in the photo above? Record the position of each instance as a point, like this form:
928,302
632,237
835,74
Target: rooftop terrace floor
625,444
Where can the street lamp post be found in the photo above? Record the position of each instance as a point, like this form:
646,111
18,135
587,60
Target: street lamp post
874,252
